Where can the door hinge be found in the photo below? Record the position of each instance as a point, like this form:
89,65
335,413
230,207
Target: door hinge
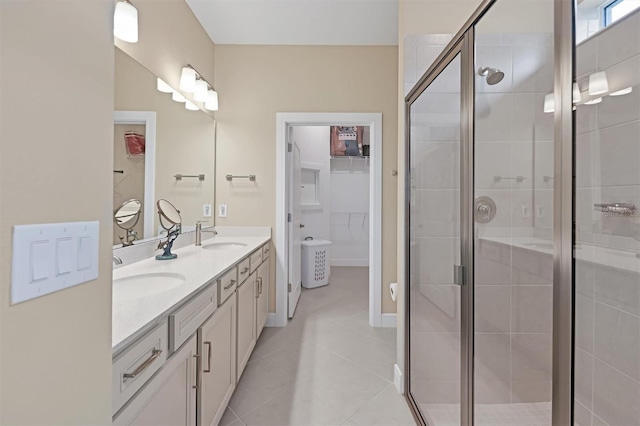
458,274
289,287
290,147
288,217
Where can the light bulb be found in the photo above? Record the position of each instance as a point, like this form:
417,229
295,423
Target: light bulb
177,96
577,96
200,93
549,103
164,87
125,22
622,92
598,83
593,101
212,101
191,106
188,79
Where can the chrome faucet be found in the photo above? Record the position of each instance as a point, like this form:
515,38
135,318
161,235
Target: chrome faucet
199,232
117,260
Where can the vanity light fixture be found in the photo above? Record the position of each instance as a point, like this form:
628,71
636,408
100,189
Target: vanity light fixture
191,106
188,79
598,83
549,103
211,103
577,96
593,101
125,21
622,92
164,87
177,96
200,93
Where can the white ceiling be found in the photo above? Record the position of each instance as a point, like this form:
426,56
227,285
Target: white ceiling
304,22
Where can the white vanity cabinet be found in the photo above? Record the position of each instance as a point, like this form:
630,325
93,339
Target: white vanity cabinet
247,297
262,302
170,397
217,350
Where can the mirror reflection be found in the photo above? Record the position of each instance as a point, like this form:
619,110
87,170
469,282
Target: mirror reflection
155,140
127,217
593,16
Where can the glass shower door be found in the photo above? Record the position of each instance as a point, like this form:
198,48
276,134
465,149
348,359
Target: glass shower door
434,238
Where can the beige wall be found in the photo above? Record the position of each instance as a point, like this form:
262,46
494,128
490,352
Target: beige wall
170,37
56,136
185,140
256,82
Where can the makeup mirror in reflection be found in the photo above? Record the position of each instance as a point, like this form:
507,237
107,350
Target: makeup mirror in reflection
126,218
162,150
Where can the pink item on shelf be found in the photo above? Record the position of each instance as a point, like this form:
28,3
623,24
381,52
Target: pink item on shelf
135,143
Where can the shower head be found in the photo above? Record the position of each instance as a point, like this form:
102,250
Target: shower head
494,75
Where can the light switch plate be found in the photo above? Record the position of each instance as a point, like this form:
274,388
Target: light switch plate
222,210
52,257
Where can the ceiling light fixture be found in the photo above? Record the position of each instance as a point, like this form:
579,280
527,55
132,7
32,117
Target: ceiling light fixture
212,100
125,22
593,101
622,92
598,83
177,96
200,94
191,106
163,87
188,79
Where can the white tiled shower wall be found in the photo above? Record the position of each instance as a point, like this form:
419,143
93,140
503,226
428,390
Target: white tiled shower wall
607,360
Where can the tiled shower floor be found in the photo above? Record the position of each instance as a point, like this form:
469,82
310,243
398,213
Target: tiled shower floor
532,414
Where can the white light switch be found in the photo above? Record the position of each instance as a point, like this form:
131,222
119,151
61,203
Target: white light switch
222,210
51,257
206,210
39,261
64,256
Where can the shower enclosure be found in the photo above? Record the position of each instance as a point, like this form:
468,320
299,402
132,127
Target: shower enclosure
523,283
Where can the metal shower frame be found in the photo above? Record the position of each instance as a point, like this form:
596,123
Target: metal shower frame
463,44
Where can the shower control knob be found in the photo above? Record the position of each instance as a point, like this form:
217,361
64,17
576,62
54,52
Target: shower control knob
484,209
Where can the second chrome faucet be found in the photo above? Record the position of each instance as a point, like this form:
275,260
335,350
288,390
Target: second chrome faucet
199,232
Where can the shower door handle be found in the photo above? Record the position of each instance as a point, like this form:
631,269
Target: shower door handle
458,275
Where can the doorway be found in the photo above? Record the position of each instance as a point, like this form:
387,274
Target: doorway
288,233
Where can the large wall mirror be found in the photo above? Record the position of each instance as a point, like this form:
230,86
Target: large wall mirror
161,151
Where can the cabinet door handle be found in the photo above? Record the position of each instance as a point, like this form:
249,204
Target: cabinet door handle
260,284
245,270
154,355
257,288
208,370
227,287
197,385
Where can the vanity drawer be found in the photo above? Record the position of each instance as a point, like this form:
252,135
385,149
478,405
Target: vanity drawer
265,251
133,368
227,285
243,270
186,320
255,259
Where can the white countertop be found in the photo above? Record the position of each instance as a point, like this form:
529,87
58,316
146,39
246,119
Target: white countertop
133,315
600,255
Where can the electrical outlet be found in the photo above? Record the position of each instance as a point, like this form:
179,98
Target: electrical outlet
206,210
222,210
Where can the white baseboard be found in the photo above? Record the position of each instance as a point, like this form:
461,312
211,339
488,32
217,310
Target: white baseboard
398,378
389,320
350,262
271,320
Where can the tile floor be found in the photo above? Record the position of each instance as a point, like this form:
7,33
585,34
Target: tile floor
327,367
529,414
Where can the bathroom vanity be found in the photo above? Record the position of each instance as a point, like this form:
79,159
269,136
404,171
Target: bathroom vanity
184,329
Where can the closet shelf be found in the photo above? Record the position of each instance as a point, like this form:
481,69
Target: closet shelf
356,164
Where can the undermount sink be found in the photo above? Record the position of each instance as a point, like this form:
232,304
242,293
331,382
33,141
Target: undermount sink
223,246
145,285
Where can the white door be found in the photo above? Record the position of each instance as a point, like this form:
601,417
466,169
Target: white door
295,229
